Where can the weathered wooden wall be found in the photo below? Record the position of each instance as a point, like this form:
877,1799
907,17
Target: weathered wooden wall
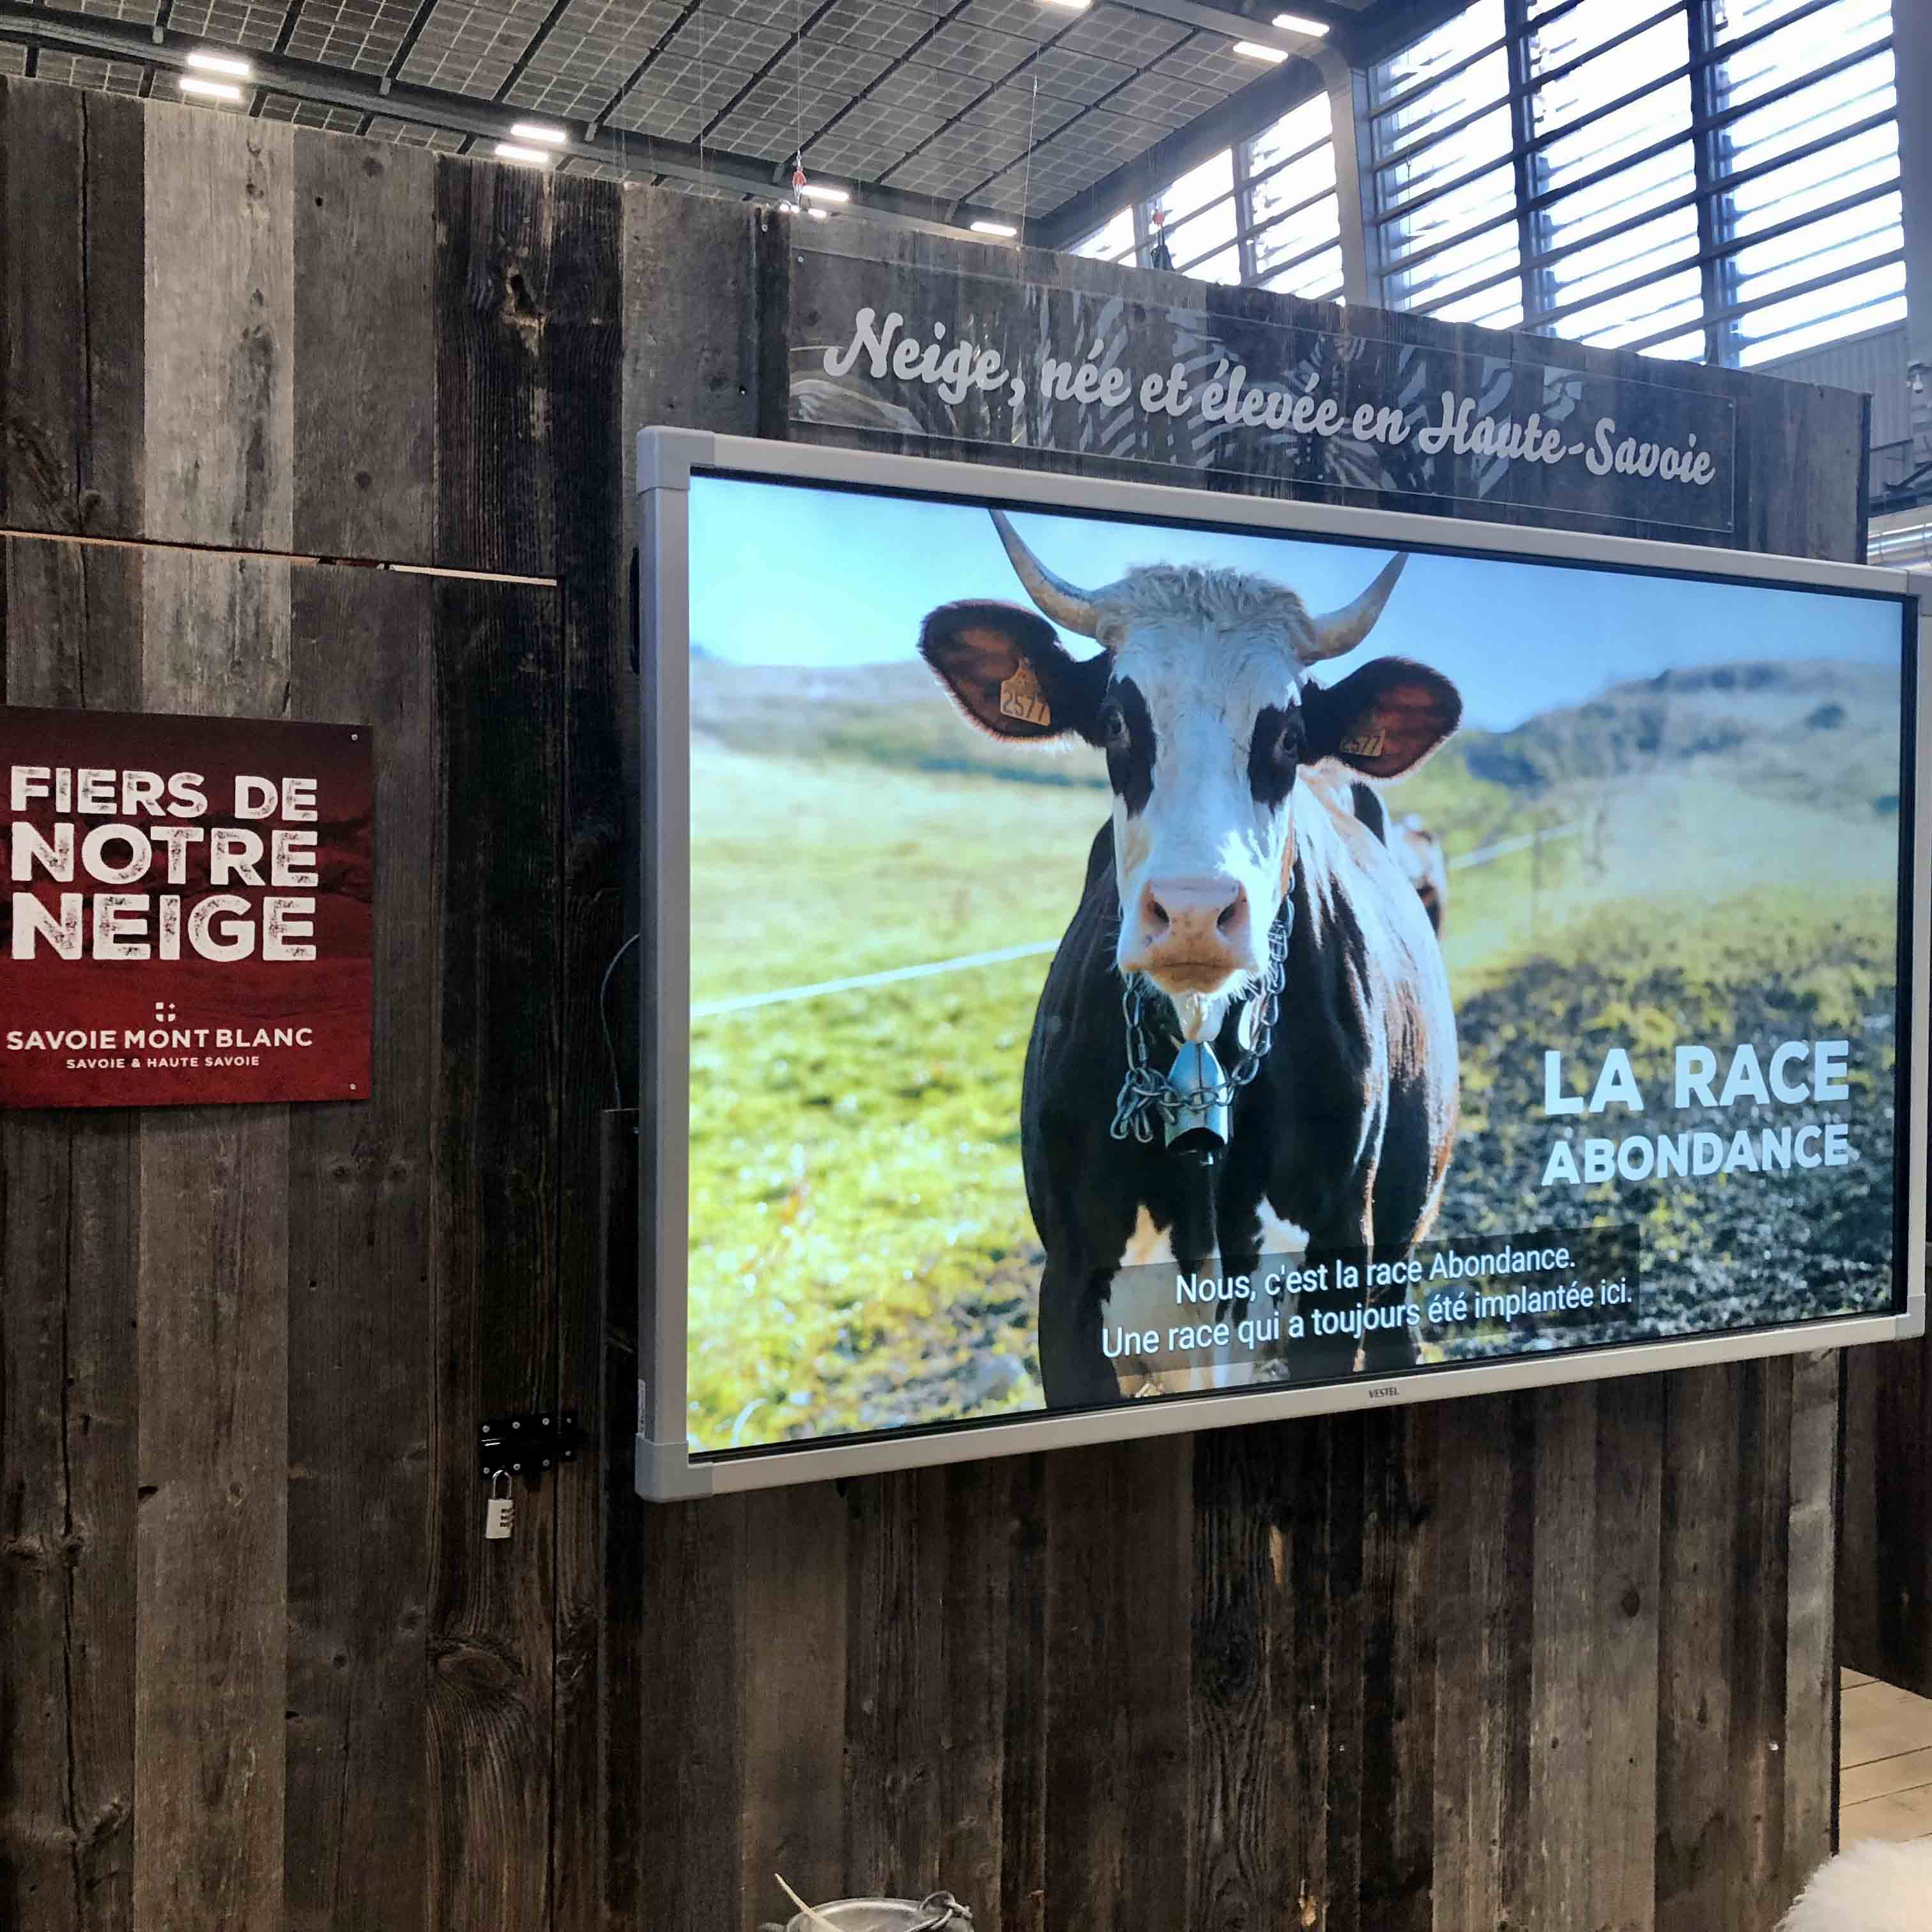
257,1667
1553,1660
1556,1659
1885,1577
1885,1571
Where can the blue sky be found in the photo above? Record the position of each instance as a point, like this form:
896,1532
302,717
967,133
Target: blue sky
786,574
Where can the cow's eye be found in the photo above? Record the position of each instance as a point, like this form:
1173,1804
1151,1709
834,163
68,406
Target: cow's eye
1286,748
1113,733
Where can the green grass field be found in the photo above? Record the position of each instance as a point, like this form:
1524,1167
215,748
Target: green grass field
862,1253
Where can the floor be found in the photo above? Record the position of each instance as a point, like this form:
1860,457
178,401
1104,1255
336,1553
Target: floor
1885,1761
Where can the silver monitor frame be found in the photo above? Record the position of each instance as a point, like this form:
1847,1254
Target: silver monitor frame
666,458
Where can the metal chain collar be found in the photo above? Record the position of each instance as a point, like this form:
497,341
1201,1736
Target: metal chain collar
1145,1092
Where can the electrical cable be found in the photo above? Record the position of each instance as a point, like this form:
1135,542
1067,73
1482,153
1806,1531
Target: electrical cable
604,1021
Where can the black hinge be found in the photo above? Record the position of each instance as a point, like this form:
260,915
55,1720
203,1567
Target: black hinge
527,1445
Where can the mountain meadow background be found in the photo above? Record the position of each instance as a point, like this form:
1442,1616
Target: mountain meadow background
1718,862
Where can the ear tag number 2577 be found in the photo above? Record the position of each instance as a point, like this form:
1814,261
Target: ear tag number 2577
1021,698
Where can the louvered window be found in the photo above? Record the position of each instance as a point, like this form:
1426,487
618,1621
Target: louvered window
1293,220
1445,228
1612,176
1701,179
1807,155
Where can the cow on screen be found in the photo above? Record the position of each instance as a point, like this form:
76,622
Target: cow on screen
1233,860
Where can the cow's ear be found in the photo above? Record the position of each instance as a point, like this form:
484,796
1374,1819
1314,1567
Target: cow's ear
1384,719
1010,674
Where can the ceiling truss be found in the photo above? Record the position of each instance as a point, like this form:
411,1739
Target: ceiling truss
934,113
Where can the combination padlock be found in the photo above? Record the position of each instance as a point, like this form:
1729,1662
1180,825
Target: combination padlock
499,1518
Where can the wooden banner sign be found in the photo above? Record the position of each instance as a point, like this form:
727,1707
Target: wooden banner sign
188,909
1218,388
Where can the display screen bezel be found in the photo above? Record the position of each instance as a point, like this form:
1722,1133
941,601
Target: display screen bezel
667,460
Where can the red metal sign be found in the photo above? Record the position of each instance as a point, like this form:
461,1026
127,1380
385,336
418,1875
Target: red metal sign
187,916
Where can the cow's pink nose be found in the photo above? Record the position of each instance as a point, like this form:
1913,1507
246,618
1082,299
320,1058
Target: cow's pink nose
1209,911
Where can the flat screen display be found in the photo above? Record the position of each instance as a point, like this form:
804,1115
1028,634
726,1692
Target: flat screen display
1135,960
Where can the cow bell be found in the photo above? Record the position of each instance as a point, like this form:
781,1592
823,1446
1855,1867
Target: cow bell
1197,1115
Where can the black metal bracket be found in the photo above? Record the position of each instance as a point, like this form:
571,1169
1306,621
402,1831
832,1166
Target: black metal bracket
527,1445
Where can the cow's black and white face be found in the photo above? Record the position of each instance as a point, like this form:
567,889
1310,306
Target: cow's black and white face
1205,733
1203,703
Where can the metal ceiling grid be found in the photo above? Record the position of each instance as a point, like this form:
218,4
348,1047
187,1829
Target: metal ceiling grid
974,52
1085,79
874,127
1026,19
580,69
107,76
693,80
233,23
410,134
310,114
143,11
854,45
1086,151
471,47
363,35
1156,102
1012,104
770,119
982,148
1137,40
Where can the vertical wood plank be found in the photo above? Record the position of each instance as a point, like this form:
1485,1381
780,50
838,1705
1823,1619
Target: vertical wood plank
1349,1638
361,1334
1562,1667
584,378
1905,1427
1621,1642
70,310
1900,1479
1400,1661
1699,1853
68,1237
674,1851
1760,1595
976,1639
1302,1669
212,1323
113,473
365,357
1861,1549
1811,1686
1232,1779
1023,1781
495,494
895,1683
625,1633
218,404
1483,1680
791,1686
1087,1794
492,1618
1119,1663
676,1828
1803,450
690,339
1150,1608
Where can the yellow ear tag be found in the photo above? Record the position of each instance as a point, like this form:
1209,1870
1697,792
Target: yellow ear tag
1365,745
1020,697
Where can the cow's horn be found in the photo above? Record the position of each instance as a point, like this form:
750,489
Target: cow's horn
1342,630
1071,609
